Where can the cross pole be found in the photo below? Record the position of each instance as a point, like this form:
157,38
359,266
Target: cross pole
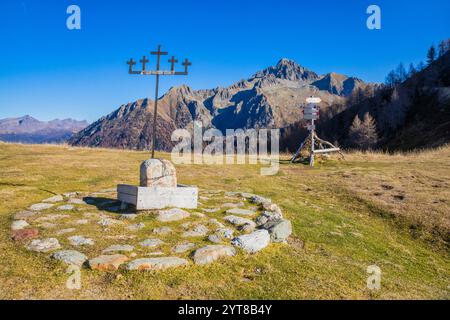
157,73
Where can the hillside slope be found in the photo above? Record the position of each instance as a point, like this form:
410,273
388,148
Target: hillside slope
412,114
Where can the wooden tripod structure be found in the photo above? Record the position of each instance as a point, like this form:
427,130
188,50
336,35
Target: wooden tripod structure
311,113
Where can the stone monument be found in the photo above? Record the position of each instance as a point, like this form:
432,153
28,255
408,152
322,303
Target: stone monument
158,188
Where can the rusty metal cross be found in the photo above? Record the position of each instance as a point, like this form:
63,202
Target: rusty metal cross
172,63
131,63
157,73
144,61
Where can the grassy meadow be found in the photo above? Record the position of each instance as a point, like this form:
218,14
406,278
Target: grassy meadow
392,211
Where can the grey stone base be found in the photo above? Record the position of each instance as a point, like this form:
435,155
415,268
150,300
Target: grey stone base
148,198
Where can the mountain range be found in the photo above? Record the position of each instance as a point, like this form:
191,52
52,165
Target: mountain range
271,98
27,129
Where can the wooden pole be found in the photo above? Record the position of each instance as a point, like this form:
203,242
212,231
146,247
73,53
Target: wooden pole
311,158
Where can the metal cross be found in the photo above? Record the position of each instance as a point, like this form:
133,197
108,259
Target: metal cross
131,63
157,73
144,61
158,53
172,63
186,64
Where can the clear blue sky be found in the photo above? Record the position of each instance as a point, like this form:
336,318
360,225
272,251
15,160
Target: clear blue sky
50,72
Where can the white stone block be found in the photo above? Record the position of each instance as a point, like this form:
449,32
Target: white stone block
150,198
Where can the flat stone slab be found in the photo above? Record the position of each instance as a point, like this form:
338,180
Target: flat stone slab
41,206
241,212
212,253
25,234
232,205
107,222
173,214
162,230
66,207
198,231
136,226
119,248
19,225
24,215
252,242
239,221
150,243
81,241
107,262
76,201
210,210
183,247
54,199
44,245
149,198
70,257
156,263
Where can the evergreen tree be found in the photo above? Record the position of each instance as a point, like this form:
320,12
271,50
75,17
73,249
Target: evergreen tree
431,55
391,79
401,73
442,48
420,66
412,70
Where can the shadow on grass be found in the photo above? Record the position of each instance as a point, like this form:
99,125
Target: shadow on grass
109,205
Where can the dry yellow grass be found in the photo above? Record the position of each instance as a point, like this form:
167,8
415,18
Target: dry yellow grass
347,213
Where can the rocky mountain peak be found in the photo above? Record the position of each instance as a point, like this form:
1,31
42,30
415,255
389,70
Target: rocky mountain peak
289,70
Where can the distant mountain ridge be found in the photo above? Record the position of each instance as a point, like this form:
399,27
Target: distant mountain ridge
269,99
27,129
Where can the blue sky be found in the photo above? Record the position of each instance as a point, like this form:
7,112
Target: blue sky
50,72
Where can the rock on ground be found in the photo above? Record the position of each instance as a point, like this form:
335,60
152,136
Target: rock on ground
23,215
183,247
241,212
215,238
156,263
106,222
259,200
158,172
252,242
267,216
19,225
210,210
198,231
107,262
25,234
44,245
76,201
136,226
279,230
212,253
243,224
118,248
162,230
66,207
41,206
174,214
54,199
149,243
70,257
233,205
80,241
